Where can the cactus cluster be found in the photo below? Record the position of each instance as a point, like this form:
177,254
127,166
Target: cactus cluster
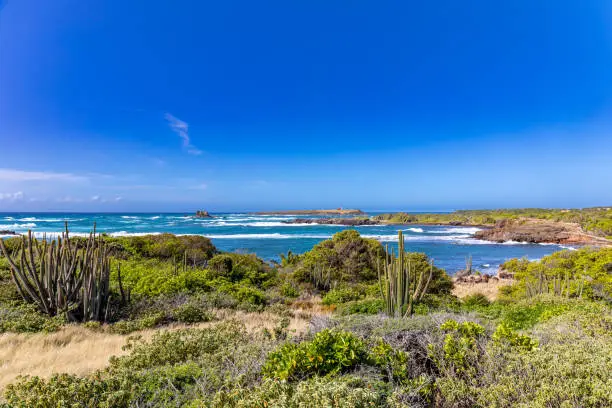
64,278
400,285
321,277
557,285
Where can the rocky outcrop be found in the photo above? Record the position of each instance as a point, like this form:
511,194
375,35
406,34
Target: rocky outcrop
353,222
202,214
7,232
538,231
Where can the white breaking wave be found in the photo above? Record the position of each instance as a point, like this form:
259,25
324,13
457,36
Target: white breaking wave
18,226
155,218
30,219
264,236
130,217
455,230
414,229
54,234
259,218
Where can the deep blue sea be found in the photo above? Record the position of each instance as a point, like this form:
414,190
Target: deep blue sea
267,235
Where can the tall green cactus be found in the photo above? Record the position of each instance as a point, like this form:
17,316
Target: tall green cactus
60,277
400,285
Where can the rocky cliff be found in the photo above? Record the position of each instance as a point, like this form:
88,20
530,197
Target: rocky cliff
539,231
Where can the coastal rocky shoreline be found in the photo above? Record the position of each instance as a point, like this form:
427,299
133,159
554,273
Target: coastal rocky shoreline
528,230
539,231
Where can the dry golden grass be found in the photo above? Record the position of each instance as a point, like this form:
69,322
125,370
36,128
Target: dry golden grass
77,350
73,349
489,289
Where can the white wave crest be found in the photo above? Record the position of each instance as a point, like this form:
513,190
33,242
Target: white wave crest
18,226
455,230
30,219
414,229
265,236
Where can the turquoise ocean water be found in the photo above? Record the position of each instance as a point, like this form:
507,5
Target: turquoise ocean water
267,235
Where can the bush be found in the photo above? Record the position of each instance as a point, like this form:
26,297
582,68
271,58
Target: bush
588,271
347,257
477,300
289,290
343,295
329,352
192,313
341,392
168,247
366,306
504,335
19,317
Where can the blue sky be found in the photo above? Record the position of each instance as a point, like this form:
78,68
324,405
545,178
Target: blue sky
238,105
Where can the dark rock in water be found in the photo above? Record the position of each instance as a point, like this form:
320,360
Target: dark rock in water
334,221
202,214
455,223
7,232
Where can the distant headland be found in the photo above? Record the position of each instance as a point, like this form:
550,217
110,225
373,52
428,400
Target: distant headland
337,211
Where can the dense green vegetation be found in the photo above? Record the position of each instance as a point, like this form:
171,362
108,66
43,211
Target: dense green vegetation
597,221
549,348
586,272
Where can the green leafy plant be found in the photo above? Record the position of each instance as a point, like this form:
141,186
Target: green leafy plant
329,351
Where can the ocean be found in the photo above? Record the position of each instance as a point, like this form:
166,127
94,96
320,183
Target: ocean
268,237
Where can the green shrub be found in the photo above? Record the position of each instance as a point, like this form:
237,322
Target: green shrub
342,295
340,392
477,300
346,257
289,290
504,335
192,313
461,349
366,306
170,247
393,363
19,317
329,352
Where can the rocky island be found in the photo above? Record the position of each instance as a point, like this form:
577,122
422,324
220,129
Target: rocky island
202,214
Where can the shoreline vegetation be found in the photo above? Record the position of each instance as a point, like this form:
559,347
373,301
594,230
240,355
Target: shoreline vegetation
349,323
589,226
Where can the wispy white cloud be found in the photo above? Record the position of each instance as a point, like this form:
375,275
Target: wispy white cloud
24,175
11,196
181,128
95,198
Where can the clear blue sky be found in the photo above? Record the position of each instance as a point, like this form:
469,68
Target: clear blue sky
124,105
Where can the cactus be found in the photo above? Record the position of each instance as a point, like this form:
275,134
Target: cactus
321,277
60,277
399,285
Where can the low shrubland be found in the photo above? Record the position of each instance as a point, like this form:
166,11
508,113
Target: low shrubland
186,347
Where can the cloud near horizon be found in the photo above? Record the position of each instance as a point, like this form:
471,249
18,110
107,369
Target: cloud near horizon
181,128
24,175
11,196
